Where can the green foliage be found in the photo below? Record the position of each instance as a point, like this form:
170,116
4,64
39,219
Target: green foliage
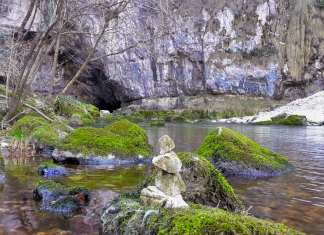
265,123
120,138
3,91
87,121
294,120
228,146
158,123
207,220
279,117
319,3
147,114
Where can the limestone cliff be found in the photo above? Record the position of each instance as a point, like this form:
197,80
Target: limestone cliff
271,48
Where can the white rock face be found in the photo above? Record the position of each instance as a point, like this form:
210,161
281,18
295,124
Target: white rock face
168,162
153,196
104,113
166,144
170,184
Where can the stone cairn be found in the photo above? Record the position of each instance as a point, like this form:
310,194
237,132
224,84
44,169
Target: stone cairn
168,182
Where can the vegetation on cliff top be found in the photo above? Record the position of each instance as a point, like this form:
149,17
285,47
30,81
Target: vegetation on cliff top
120,138
233,153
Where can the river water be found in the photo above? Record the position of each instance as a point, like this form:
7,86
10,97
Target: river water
295,199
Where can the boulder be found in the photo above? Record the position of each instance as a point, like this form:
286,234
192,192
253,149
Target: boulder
152,196
233,153
104,113
76,119
168,162
166,144
170,184
49,169
67,206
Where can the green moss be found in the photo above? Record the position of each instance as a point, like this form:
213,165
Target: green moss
205,169
207,220
47,165
3,91
279,117
158,123
87,121
77,190
45,132
294,120
49,190
180,119
120,138
66,106
265,123
230,147
147,114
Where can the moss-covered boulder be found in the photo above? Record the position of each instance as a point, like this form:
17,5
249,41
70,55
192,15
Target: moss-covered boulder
119,143
48,169
285,119
37,132
158,123
233,153
131,217
2,169
205,185
57,198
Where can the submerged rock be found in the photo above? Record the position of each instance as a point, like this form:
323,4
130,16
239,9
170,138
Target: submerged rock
57,198
170,184
168,162
119,143
166,144
49,169
152,196
233,153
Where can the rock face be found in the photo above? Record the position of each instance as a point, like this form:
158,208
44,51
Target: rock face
267,48
233,153
168,181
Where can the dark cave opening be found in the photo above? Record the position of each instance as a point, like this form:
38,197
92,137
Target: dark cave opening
103,105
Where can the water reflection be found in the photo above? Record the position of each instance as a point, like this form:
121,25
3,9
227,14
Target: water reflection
295,199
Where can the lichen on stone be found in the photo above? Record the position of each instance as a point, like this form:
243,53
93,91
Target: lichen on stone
233,153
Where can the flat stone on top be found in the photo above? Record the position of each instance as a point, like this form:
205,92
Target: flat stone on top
168,162
166,144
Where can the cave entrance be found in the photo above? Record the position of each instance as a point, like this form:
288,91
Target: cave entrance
103,105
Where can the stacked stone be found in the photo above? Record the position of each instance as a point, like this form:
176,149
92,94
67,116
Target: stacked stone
168,182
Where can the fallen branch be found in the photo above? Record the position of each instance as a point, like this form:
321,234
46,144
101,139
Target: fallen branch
36,110
15,117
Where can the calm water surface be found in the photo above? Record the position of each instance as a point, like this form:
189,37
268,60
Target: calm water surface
295,199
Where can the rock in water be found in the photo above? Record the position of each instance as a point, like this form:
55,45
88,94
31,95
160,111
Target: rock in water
154,197
170,184
168,162
166,144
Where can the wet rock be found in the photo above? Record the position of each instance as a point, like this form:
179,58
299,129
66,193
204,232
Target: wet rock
166,144
49,191
49,169
104,113
67,206
168,162
170,184
152,196
76,119
233,153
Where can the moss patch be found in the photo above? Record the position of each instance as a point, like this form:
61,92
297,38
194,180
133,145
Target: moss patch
120,138
206,220
158,123
44,131
233,153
